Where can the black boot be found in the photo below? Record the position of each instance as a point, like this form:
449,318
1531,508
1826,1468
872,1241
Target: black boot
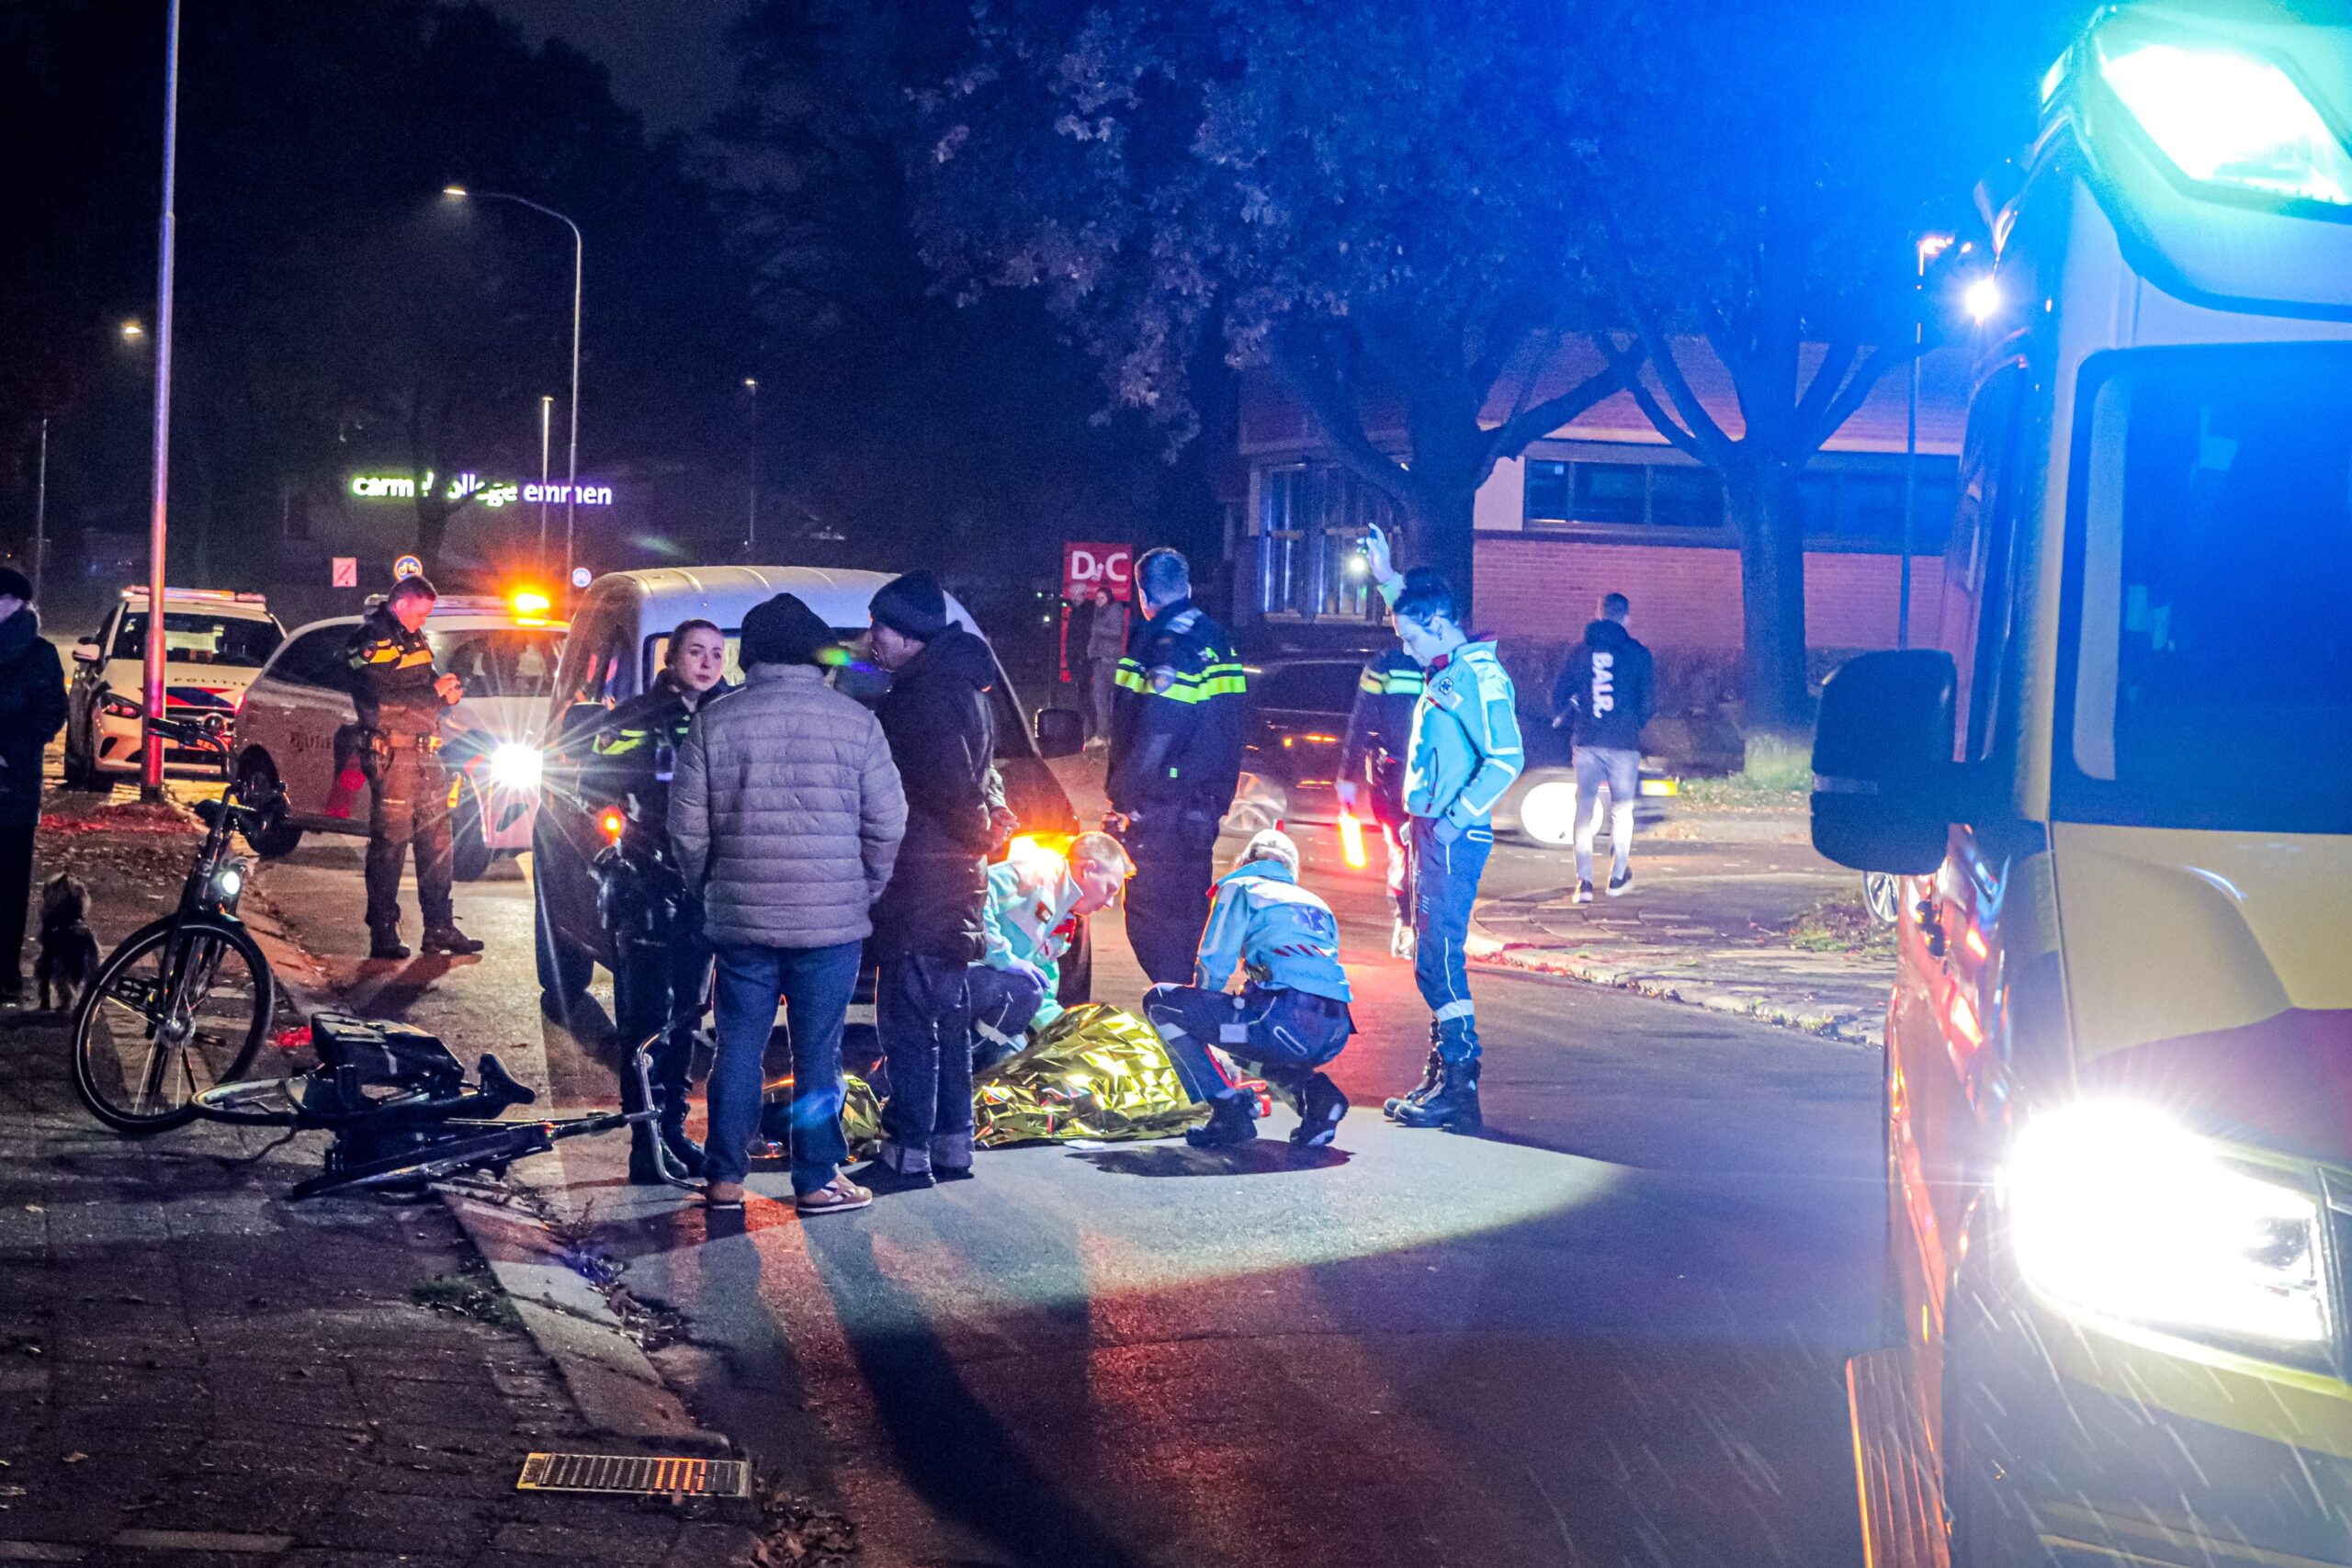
648,1164
1320,1108
682,1150
1231,1120
1420,1091
1454,1107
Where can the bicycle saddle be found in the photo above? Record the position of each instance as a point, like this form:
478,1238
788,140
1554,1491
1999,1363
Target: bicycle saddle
499,1087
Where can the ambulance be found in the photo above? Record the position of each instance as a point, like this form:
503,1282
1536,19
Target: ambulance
2118,1314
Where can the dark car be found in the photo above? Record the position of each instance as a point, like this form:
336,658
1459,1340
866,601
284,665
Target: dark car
1299,726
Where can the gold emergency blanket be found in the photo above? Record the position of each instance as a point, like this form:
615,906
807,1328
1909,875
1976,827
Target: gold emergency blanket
1095,1072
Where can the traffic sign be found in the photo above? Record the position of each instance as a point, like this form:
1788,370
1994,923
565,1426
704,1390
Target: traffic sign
581,577
407,566
347,571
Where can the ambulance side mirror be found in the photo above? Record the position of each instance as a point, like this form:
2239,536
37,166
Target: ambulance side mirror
1884,783
86,651
1061,732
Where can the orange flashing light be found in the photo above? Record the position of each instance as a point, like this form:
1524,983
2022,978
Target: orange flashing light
1351,840
1040,851
530,603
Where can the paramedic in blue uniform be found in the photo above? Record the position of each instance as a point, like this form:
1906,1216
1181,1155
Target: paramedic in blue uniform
1289,1017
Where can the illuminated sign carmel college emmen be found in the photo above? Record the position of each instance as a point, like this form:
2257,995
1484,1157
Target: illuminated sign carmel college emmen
481,491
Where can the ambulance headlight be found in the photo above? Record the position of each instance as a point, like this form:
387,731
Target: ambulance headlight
2118,1211
515,766
2226,118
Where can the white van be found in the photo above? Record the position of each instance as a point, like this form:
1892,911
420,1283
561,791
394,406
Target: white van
620,637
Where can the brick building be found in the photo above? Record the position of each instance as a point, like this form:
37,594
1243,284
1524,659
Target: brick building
1606,503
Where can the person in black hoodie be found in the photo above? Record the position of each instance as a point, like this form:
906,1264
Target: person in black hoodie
927,924
32,710
1603,699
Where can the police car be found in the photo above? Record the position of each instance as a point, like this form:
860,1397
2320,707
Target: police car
214,645
505,652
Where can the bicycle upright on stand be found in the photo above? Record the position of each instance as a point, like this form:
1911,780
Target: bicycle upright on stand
182,1005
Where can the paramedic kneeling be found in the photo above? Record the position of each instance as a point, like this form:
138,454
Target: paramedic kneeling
1291,1017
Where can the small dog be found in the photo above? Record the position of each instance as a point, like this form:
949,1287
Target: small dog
69,952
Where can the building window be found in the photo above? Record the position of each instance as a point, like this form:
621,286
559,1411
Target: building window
1311,519
1636,494
1865,505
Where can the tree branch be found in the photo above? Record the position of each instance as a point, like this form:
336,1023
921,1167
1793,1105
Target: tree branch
1849,399
1828,380
1510,438
1628,366
1331,402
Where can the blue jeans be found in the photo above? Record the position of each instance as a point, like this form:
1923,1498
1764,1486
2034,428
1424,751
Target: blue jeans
1619,772
1285,1034
1446,883
816,984
925,1023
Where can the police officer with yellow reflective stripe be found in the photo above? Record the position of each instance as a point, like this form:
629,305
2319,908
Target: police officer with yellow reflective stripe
662,963
1371,772
400,699
1176,726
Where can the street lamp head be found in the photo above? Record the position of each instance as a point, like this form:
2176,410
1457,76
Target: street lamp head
133,331
752,383
453,190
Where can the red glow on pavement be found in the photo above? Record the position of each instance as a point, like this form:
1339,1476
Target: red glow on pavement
1351,840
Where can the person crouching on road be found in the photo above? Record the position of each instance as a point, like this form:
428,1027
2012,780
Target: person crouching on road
1466,751
664,961
1291,1017
785,813
1031,917
927,927
399,700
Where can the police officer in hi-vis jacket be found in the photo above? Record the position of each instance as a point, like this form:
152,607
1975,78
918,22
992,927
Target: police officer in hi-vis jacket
400,699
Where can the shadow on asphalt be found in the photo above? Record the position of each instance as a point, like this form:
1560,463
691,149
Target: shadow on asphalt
1264,1158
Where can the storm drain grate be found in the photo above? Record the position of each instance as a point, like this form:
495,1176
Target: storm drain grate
662,1475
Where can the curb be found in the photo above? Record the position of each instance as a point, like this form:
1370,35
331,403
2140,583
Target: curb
566,1313
1847,1028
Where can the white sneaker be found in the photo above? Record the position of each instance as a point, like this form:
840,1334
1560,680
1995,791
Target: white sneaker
1620,884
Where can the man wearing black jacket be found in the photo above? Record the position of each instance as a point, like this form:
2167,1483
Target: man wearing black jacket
927,924
400,699
1603,698
32,710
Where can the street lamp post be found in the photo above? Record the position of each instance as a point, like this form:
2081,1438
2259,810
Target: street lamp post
1927,248
151,749
571,460
41,511
547,424
751,473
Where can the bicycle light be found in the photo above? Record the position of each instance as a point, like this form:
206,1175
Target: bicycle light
611,823
229,881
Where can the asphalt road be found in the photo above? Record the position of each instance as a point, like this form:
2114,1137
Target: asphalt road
1610,1332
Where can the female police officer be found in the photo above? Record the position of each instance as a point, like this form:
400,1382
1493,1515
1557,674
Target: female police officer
662,964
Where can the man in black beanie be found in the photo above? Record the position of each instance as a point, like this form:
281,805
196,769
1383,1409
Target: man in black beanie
32,710
927,928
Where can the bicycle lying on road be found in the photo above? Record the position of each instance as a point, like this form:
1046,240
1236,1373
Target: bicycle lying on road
182,1005
402,1114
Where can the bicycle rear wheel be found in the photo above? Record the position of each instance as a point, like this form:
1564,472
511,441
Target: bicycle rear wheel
179,1007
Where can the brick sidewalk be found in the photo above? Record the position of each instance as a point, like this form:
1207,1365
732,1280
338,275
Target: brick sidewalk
1703,928
194,1371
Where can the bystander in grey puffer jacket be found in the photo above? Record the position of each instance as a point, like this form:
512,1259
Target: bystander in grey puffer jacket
786,812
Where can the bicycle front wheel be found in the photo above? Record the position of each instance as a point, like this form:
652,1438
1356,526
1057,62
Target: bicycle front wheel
180,1008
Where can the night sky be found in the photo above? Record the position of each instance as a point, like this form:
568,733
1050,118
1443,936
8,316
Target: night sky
668,58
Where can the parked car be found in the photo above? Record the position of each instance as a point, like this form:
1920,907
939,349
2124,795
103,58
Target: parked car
214,644
507,660
620,640
1299,726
